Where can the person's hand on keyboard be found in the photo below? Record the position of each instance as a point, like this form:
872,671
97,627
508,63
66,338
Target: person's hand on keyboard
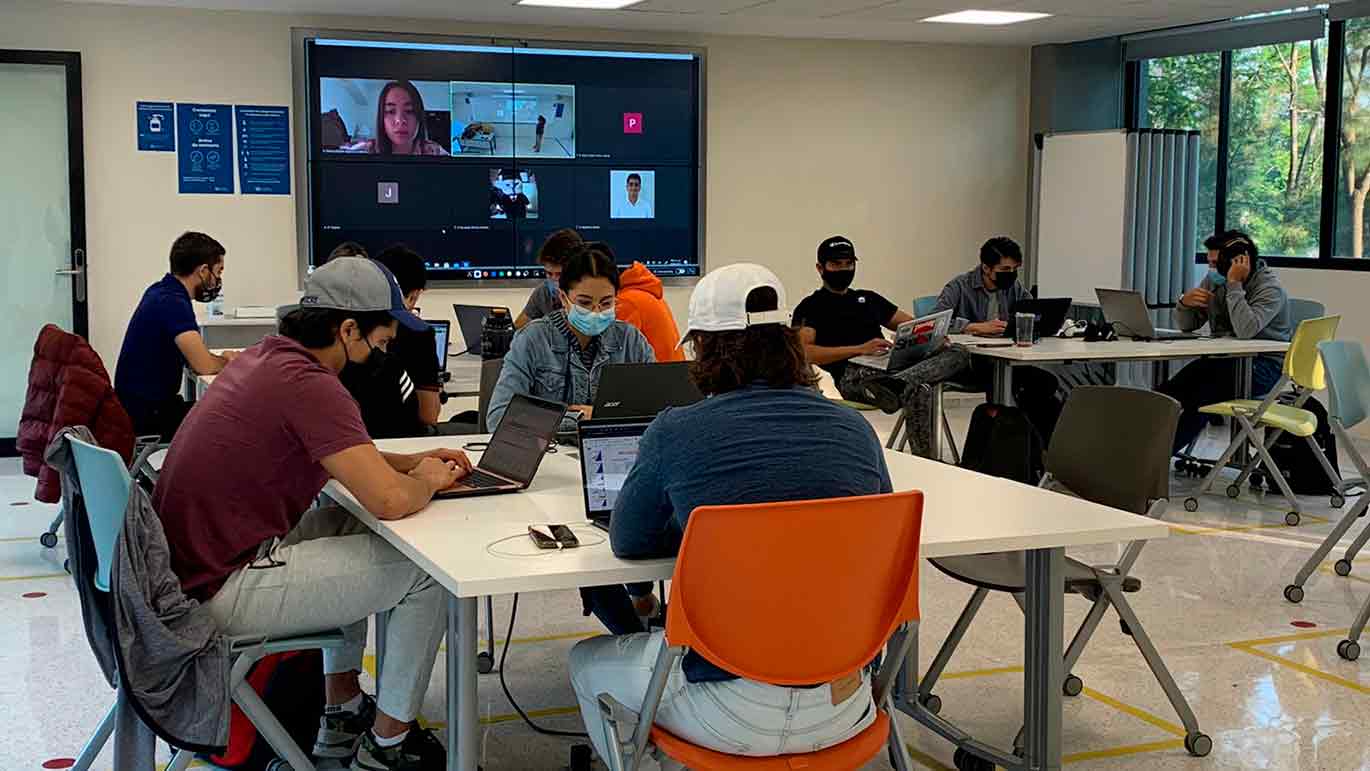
439,474
456,456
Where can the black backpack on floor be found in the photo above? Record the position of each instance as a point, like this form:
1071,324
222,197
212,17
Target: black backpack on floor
1003,443
1296,459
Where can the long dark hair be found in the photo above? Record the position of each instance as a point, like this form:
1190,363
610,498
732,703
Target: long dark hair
768,353
383,146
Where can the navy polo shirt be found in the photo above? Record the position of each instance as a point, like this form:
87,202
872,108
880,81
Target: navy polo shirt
149,372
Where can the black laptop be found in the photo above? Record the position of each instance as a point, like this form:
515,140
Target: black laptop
643,390
515,452
1051,315
608,450
471,319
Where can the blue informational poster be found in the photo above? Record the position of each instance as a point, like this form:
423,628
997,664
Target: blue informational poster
156,126
263,149
205,151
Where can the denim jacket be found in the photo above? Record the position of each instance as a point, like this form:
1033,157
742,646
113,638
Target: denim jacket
541,363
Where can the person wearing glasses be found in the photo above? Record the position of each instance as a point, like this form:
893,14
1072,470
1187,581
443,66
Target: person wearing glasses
560,357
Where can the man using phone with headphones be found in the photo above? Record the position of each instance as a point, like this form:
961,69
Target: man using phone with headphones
1240,297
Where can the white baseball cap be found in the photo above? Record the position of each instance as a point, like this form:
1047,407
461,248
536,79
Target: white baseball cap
719,302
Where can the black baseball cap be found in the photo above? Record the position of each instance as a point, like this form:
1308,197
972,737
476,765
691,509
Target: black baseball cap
836,248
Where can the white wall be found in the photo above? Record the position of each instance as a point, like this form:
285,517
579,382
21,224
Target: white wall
917,153
1342,291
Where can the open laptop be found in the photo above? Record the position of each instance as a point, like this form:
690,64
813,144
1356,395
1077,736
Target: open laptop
643,390
470,319
1051,315
914,341
442,331
515,452
608,450
1126,312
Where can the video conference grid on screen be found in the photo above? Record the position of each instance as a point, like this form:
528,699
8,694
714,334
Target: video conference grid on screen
473,155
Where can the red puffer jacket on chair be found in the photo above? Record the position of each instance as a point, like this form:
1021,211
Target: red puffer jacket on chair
68,386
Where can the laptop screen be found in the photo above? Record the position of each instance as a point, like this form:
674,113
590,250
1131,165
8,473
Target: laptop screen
607,454
442,330
517,447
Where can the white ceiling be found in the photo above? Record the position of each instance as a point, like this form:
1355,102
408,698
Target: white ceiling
857,19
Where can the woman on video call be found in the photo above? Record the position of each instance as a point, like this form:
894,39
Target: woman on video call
400,126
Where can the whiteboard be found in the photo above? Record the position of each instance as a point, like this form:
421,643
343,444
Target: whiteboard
1081,202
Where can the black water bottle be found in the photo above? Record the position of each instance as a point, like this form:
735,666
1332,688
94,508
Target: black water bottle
496,334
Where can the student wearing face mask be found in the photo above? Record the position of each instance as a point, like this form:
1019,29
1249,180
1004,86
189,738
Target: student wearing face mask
163,338
1240,297
837,323
552,256
981,301
561,357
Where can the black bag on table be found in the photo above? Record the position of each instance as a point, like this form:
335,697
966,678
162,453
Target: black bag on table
1002,442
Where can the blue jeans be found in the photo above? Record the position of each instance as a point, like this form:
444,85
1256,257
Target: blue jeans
1209,381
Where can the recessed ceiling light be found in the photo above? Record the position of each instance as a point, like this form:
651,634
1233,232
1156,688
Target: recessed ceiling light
986,17
592,5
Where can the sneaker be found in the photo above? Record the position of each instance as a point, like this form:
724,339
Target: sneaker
339,732
885,393
420,751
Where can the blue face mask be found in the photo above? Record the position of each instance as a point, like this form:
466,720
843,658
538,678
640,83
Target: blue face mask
553,286
588,322
1216,279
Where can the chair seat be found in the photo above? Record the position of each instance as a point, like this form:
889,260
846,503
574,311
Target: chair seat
853,753
1007,571
1291,420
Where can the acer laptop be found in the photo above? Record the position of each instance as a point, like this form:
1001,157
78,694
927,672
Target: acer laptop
643,390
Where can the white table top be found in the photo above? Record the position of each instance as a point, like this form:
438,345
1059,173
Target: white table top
234,321
1076,349
478,546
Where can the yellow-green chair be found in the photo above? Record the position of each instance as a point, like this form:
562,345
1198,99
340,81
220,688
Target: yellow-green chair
1303,368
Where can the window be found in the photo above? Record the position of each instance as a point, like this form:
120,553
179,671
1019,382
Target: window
1183,92
1353,168
1274,189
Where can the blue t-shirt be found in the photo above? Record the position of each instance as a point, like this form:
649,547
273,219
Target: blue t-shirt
149,372
753,445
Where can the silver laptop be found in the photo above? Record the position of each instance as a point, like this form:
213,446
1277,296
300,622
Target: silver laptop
914,341
608,451
1126,312
515,451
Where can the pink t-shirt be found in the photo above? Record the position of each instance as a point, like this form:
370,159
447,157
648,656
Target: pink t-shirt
244,466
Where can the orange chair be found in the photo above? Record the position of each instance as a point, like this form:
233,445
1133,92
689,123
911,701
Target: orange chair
848,572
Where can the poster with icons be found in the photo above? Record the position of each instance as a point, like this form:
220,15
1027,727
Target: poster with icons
156,126
205,150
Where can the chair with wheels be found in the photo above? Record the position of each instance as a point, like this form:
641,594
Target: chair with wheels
850,566
1304,371
105,486
1348,385
1083,460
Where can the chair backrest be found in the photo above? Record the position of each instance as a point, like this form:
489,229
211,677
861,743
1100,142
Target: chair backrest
1303,310
1112,446
923,306
1348,381
844,573
489,376
105,485
1302,364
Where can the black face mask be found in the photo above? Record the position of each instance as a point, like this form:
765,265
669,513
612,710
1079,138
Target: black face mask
209,292
366,365
1005,280
839,280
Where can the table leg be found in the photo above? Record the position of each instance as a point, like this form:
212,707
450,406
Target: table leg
1003,382
463,729
1043,663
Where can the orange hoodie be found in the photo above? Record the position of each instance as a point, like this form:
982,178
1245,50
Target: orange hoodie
640,304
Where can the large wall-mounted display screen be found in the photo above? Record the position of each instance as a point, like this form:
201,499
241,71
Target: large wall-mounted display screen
473,154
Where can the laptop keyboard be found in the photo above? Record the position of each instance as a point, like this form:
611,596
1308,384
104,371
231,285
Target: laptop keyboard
479,480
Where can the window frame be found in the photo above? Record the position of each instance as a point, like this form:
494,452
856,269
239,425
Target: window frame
1135,85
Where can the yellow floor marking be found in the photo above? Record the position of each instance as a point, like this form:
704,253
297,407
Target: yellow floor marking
981,672
925,759
1140,714
1304,668
1118,752
1287,638
1210,529
34,578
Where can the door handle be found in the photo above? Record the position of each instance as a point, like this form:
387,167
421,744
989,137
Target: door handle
77,273
70,272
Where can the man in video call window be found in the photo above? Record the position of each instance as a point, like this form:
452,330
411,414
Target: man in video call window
633,205
506,196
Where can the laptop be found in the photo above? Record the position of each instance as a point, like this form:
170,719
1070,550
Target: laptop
1051,315
608,450
643,390
913,341
470,319
442,331
1127,313
515,451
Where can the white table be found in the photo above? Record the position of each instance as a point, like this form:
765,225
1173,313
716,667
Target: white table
1056,350
451,540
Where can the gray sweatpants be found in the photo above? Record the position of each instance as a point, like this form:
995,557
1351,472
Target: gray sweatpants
332,572
940,367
